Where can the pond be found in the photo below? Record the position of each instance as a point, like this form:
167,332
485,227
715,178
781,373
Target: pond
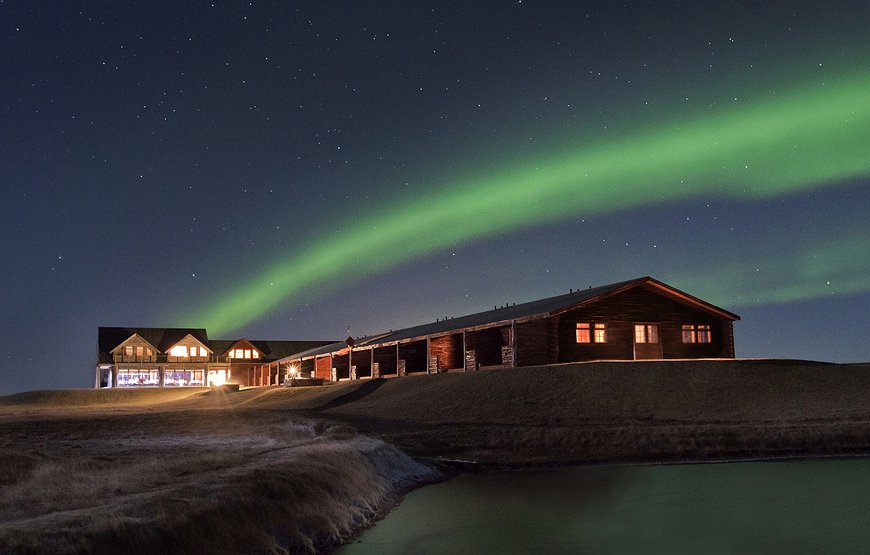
808,506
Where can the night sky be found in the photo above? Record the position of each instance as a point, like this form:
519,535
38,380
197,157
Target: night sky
291,170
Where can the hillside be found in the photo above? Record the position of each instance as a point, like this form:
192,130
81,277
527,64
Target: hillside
209,470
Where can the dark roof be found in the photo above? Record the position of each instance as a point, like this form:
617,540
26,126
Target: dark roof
279,349
164,338
540,308
512,312
161,338
321,350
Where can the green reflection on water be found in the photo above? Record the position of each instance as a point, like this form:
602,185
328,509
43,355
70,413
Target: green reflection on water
819,506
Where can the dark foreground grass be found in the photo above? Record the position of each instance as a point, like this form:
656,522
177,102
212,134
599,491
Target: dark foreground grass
277,470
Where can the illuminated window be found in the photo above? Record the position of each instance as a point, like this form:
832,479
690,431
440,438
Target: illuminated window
140,351
178,351
696,333
128,350
591,333
646,333
583,335
203,352
255,354
147,352
600,333
247,353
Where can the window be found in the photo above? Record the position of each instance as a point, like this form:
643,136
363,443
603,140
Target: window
588,332
255,354
178,351
696,333
583,333
646,333
128,350
140,351
243,353
202,352
600,333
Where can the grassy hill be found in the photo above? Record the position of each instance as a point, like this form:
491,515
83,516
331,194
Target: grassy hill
192,470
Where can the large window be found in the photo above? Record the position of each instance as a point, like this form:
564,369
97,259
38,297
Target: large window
591,332
646,333
138,351
138,377
696,333
183,351
182,378
244,353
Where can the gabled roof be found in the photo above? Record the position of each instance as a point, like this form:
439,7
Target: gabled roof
273,350
270,349
541,308
161,338
221,346
321,350
108,338
200,341
133,337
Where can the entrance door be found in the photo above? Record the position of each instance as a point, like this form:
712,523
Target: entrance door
647,342
217,377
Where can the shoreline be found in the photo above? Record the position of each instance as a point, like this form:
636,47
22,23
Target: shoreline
311,468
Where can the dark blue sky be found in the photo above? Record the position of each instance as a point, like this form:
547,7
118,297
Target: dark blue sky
155,158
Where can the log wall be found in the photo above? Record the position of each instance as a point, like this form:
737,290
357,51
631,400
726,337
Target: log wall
448,349
640,304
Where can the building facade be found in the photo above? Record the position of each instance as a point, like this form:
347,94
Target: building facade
185,357
631,320
639,319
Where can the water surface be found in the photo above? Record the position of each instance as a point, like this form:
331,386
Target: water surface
814,506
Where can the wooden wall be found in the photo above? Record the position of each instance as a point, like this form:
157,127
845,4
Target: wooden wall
414,355
386,359
362,359
487,344
323,368
342,369
536,344
448,349
640,304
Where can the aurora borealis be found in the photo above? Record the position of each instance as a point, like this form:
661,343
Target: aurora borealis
809,138
290,171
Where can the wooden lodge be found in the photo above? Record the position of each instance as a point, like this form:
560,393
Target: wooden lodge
180,357
632,320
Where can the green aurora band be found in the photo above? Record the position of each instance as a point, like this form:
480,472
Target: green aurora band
812,137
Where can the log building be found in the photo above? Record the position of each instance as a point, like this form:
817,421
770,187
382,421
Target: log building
181,357
631,320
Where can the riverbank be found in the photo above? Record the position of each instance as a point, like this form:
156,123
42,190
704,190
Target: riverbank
302,469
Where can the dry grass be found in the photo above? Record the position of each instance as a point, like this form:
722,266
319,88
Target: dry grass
283,470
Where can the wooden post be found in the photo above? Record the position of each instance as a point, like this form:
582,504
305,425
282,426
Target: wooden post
113,376
349,362
372,363
161,371
513,343
428,354
464,350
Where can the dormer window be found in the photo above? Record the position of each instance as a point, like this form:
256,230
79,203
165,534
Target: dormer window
182,351
244,353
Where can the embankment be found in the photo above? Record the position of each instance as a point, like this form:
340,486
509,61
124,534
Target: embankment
284,470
